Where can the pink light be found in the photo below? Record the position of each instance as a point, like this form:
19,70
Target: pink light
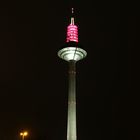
72,32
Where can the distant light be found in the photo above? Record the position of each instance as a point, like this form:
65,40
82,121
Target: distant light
24,133
21,134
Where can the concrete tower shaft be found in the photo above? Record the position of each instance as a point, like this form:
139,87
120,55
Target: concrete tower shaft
71,122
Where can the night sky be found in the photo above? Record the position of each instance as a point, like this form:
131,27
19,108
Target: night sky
34,81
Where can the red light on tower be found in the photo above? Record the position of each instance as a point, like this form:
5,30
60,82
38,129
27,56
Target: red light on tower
72,31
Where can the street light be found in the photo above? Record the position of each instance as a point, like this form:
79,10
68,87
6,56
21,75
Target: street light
23,134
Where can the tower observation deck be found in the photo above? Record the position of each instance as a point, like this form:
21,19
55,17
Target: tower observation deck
72,53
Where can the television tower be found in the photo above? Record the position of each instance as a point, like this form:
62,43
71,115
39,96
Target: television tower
72,53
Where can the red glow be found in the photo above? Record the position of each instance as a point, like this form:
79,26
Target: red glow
72,32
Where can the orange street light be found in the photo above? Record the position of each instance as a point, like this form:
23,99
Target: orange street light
23,134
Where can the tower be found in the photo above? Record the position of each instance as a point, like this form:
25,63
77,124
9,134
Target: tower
72,53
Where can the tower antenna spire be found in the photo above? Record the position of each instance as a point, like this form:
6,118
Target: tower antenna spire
72,10
72,18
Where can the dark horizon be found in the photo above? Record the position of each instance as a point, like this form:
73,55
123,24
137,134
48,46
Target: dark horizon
33,80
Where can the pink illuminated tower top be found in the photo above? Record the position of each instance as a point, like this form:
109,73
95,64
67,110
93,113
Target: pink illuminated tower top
72,31
72,50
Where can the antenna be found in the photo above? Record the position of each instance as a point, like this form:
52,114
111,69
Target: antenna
72,10
72,30
72,18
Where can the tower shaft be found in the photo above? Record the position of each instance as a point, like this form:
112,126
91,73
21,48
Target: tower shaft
71,124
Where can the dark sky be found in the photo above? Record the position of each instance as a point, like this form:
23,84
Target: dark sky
33,80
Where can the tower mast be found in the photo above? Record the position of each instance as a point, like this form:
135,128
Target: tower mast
72,53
